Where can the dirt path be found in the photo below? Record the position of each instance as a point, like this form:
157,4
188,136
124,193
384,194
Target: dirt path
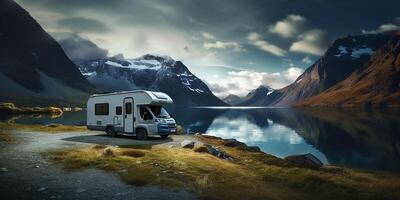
25,174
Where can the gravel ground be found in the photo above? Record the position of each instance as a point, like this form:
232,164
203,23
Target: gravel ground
25,174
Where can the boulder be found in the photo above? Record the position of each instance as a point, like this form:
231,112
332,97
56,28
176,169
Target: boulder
305,160
108,152
187,144
200,147
215,151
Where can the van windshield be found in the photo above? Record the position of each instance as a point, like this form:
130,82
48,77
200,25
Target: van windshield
159,112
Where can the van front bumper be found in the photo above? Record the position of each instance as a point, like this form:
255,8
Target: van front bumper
166,129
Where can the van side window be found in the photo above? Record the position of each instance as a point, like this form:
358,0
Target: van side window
101,109
145,114
128,108
118,110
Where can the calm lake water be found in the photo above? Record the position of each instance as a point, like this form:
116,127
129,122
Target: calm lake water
352,138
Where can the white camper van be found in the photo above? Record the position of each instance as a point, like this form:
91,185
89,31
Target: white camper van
137,112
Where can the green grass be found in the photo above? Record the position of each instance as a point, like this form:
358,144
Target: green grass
252,175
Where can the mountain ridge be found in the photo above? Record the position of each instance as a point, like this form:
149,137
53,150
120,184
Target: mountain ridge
149,72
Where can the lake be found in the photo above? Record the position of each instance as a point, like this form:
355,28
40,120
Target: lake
368,139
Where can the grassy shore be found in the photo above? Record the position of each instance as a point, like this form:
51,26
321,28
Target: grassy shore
10,108
51,128
251,175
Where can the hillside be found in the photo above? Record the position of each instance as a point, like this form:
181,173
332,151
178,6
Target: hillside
345,56
33,66
378,84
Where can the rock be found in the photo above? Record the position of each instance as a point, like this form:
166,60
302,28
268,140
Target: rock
200,147
138,162
3,169
305,160
187,144
108,152
41,189
218,153
232,143
53,125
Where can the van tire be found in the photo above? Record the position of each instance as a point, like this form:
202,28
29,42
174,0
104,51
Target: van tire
164,136
141,134
110,131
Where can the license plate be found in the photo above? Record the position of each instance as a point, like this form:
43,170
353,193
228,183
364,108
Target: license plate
173,130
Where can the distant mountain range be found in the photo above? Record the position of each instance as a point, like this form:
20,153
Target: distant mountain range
233,99
349,74
33,67
362,70
149,72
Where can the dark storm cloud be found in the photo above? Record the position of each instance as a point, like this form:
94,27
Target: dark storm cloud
82,24
78,48
233,20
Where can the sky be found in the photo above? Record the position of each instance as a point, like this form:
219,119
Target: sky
232,45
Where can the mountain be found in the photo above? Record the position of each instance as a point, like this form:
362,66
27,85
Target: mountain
260,96
376,85
150,72
32,63
345,56
232,99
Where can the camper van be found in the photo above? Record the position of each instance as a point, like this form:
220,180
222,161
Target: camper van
137,112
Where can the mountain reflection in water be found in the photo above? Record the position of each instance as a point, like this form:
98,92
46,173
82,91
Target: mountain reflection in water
356,138
368,139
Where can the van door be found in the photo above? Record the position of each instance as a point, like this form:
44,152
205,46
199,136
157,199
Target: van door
128,115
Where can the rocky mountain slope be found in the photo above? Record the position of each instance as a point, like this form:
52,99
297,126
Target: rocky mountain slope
150,72
261,96
343,58
32,64
377,84
232,99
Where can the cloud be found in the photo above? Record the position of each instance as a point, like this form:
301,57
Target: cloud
78,48
289,27
223,45
242,82
83,24
207,35
255,39
383,28
306,60
312,42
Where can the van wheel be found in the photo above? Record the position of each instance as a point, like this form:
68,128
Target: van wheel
110,131
164,136
141,134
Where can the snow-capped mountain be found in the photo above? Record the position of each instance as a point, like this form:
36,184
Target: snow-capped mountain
375,85
150,72
345,56
33,67
260,96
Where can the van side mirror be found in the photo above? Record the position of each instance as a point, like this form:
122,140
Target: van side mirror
170,114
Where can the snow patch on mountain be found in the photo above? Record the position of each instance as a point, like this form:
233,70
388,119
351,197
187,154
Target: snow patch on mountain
342,51
358,52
